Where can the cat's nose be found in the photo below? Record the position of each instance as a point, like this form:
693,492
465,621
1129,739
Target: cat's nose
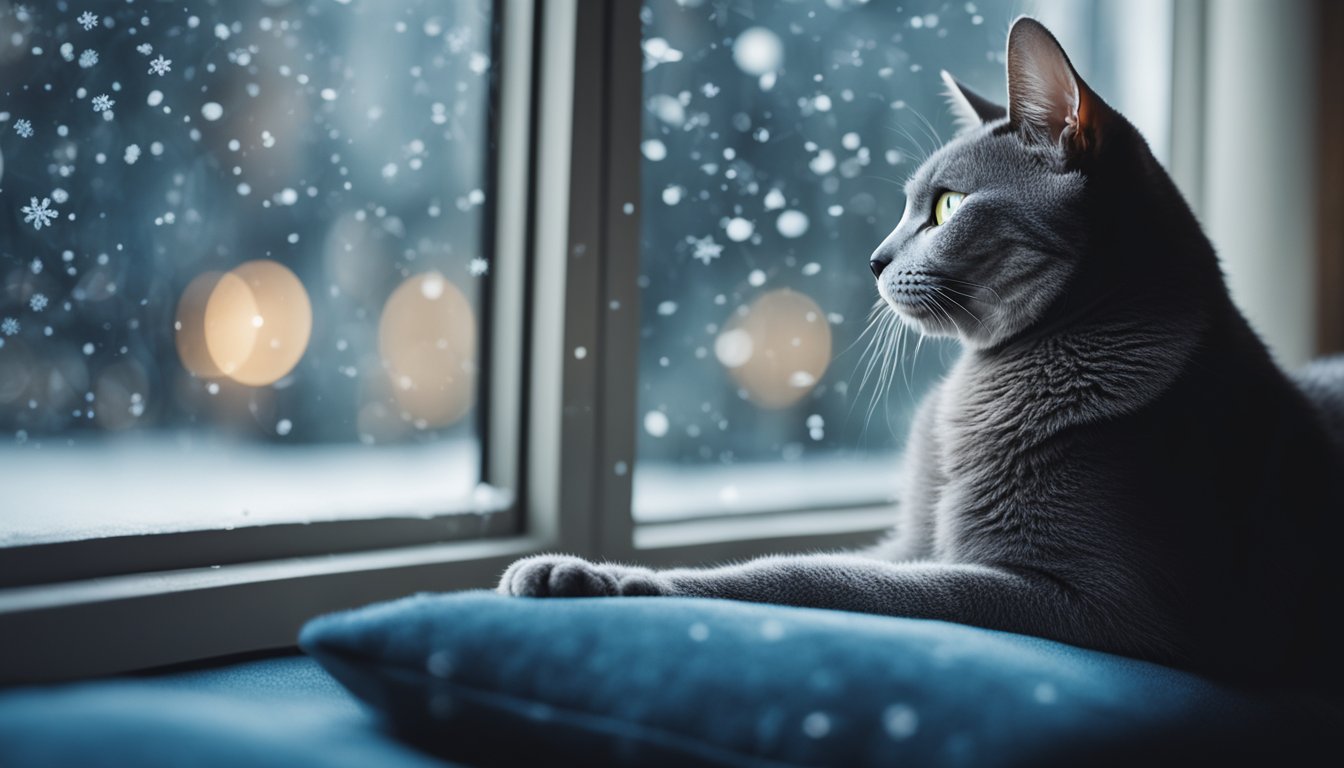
879,262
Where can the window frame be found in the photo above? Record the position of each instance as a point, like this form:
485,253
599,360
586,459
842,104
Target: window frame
566,162
89,607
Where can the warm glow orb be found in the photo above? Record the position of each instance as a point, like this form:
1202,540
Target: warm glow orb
777,348
230,336
279,318
427,340
189,334
250,324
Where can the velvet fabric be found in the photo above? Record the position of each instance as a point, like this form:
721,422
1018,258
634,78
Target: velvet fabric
491,680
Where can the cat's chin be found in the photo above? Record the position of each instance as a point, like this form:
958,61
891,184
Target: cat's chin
921,319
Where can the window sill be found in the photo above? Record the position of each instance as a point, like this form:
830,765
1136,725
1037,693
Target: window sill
123,623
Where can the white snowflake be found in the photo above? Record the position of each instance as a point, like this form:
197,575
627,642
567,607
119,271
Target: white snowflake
88,58
60,195
87,20
38,302
706,250
478,266
36,266
102,103
160,66
38,214
23,128
9,326
145,49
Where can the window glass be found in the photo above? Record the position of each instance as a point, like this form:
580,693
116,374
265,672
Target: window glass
244,262
776,139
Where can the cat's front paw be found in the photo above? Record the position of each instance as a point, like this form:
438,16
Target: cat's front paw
564,576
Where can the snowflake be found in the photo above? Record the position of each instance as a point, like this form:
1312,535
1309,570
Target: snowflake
88,58
38,302
478,266
36,266
9,326
23,128
145,49
38,214
87,20
102,103
706,250
160,66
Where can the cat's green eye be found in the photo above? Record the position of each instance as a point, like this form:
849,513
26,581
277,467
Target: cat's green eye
948,203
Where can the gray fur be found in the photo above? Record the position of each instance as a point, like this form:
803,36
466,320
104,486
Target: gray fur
1114,461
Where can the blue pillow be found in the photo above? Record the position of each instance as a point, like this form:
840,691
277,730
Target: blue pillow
682,681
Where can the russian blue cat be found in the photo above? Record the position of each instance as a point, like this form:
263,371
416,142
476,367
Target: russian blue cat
1114,461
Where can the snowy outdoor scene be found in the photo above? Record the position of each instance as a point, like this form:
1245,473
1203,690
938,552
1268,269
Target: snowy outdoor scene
234,225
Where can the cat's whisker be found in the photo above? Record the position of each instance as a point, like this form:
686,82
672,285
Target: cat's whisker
875,343
887,351
940,291
979,286
938,142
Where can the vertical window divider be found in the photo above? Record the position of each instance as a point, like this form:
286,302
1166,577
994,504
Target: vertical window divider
619,309
503,348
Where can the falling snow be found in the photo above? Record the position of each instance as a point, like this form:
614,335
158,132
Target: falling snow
23,128
87,20
102,103
38,302
706,250
9,326
478,266
144,49
88,58
160,66
655,423
39,214
758,51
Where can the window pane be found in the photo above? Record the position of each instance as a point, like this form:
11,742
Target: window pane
776,139
244,265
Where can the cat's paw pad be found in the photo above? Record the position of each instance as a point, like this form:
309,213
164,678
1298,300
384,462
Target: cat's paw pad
564,576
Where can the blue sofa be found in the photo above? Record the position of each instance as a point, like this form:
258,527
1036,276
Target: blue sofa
477,679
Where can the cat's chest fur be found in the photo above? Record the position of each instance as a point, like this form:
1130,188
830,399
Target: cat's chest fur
1013,429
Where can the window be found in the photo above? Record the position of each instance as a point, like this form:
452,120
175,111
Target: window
776,139
332,302
248,263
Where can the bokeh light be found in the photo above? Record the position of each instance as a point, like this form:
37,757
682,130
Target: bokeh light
251,324
283,323
427,340
189,335
777,348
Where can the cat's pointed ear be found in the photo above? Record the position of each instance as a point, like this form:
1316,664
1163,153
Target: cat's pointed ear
969,109
1047,101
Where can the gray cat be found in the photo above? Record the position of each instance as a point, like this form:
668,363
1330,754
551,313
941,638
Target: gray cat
1114,461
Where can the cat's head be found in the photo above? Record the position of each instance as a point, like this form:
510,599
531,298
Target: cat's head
995,222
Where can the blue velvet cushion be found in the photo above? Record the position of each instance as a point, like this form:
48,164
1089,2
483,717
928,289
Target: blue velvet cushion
672,681
280,713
